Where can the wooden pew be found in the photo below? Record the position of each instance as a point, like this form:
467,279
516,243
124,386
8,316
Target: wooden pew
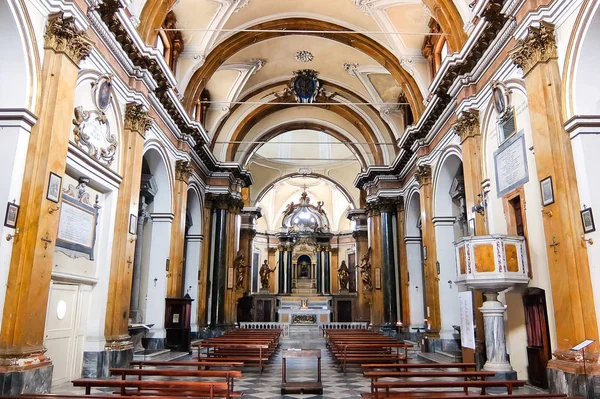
229,375
382,388
466,375
412,366
198,389
202,362
461,395
358,353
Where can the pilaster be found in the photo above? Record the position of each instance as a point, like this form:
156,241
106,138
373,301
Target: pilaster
431,283
375,241
180,190
360,235
22,354
203,274
116,333
574,307
232,238
403,266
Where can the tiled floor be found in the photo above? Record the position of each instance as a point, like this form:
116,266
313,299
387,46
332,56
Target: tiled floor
267,385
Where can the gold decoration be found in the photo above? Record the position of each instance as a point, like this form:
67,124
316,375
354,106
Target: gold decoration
467,124
539,46
62,36
136,119
182,171
423,174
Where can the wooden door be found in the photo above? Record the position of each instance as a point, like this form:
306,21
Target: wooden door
344,311
538,336
61,334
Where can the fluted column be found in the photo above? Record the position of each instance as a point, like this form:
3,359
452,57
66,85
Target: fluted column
572,294
26,300
176,255
431,283
124,243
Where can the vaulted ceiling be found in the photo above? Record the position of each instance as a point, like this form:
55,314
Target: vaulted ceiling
244,52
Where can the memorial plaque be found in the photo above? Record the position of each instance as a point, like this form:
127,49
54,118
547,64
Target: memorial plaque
510,161
77,226
467,332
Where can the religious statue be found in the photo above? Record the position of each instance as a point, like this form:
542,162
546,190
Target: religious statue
343,276
365,271
289,209
264,272
239,265
320,206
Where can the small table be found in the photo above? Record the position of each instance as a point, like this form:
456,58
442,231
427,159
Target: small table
301,387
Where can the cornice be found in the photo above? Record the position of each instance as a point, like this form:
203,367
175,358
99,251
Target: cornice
123,40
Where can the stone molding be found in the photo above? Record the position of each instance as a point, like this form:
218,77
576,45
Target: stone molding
183,169
223,201
62,36
467,125
538,46
423,175
136,119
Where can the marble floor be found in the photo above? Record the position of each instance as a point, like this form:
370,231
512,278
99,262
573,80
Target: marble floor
267,385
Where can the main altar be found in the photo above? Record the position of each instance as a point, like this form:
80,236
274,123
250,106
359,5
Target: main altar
304,311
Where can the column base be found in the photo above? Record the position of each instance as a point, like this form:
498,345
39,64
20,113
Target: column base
569,377
26,375
98,364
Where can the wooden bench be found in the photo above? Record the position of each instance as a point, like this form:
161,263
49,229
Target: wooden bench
228,375
461,395
198,389
466,375
412,366
381,389
358,353
202,362
236,352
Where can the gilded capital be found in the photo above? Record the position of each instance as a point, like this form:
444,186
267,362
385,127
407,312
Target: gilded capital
62,36
538,46
423,174
467,125
182,171
136,119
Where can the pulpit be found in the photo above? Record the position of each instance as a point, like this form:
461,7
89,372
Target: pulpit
178,312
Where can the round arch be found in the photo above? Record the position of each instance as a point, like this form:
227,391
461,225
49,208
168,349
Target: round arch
342,189
156,160
413,212
277,28
290,126
448,166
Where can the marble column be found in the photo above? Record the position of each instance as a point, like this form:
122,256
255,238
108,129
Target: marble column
219,267
281,268
495,341
288,272
431,280
118,305
30,268
388,264
176,253
326,272
319,271
568,263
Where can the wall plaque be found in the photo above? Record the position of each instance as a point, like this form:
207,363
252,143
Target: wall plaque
510,161
78,219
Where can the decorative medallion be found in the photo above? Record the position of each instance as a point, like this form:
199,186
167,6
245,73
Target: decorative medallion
305,86
102,89
501,98
304,56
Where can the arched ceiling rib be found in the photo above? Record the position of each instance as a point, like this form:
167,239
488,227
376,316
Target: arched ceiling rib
241,40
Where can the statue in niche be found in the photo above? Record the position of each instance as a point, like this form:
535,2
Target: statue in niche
240,265
365,271
264,273
343,276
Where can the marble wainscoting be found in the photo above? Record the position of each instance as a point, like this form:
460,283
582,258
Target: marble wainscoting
574,384
98,364
37,380
154,343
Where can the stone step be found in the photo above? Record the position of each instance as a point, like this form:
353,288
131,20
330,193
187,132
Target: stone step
162,355
439,357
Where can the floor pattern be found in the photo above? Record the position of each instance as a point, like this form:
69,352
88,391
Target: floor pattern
336,385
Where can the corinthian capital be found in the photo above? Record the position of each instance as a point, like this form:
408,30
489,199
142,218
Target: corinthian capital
467,125
62,36
136,119
423,174
182,171
538,46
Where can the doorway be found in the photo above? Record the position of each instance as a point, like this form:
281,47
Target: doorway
61,331
538,336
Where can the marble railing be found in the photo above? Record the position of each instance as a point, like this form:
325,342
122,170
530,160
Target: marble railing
267,325
345,325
